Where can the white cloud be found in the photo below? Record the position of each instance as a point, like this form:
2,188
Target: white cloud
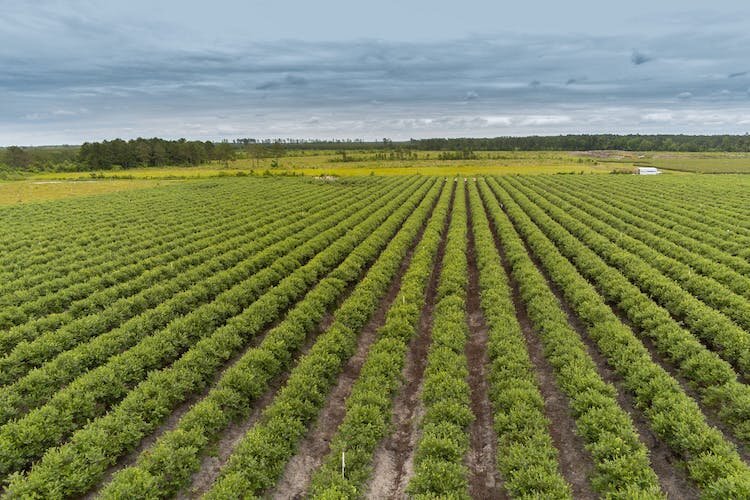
544,120
658,117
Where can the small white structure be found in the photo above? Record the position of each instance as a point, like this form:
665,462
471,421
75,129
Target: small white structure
648,171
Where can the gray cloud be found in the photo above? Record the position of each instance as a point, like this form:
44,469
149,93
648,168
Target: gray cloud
129,80
638,58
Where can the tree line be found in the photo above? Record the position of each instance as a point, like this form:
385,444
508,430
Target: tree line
577,142
152,153
117,153
155,152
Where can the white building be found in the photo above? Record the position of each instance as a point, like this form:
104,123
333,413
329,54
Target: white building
648,171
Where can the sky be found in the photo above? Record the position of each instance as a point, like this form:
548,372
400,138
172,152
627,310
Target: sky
84,70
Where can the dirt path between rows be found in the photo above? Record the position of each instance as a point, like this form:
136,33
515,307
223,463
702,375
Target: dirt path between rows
174,418
673,478
484,477
576,464
709,413
298,473
393,463
212,464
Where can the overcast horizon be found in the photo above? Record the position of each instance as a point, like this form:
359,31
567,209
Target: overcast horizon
83,70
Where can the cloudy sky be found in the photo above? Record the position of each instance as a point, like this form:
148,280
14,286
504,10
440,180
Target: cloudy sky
79,70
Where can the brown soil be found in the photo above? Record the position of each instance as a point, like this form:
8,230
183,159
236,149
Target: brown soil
393,463
313,449
576,464
709,413
484,477
174,418
211,465
673,477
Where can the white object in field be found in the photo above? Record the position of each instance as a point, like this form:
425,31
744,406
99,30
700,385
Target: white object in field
648,171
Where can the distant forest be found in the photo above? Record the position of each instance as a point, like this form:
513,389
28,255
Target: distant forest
582,142
121,154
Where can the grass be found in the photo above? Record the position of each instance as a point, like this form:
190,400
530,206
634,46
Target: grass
36,187
28,191
316,163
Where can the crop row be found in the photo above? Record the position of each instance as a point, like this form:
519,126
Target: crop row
166,467
711,461
704,259
720,210
702,243
708,292
687,225
439,468
40,344
53,255
206,282
621,462
89,395
526,456
716,330
259,458
717,205
137,237
57,295
111,266
368,407
126,295
75,466
39,237
715,379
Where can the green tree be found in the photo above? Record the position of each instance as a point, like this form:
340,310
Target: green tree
16,157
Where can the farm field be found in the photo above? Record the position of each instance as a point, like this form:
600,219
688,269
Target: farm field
29,191
479,336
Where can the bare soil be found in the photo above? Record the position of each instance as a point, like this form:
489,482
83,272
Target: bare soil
174,418
297,475
576,464
393,463
673,477
484,477
709,413
211,464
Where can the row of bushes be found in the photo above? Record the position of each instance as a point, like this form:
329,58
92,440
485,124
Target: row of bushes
259,459
88,396
439,469
169,463
112,266
679,269
368,408
526,456
675,418
106,303
54,293
712,231
714,378
78,464
730,341
620,460
69,237
170,262
703,258
152,310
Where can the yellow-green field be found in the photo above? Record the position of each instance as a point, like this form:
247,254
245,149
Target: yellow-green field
319,163
316,163
26,191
